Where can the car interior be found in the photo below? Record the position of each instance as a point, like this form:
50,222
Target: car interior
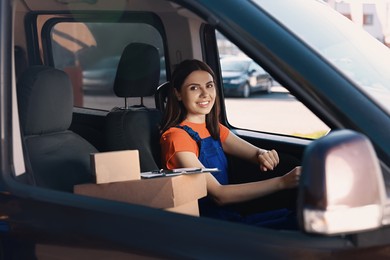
92,76
56,40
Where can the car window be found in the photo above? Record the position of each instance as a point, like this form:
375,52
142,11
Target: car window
229,64
255,67
257,102
83,50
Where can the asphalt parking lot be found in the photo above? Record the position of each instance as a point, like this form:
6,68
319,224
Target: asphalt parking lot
277,111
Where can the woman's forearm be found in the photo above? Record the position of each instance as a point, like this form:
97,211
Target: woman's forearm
226,194
242,149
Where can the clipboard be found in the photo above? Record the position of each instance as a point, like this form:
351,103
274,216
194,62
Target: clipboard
175,172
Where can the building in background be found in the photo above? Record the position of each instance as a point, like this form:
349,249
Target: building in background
372,15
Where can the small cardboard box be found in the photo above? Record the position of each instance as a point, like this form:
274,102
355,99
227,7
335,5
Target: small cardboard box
116,166
178,194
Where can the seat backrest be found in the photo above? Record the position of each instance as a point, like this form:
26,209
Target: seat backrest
137,127
20,61
59,158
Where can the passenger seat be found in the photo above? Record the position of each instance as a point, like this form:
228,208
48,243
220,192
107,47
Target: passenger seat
59,158
136,127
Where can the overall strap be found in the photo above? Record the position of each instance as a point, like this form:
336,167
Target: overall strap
194,135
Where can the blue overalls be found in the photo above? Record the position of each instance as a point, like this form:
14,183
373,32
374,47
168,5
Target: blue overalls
211,155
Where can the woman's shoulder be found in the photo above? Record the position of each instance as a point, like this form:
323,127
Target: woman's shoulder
173,130
223,127
223,132
174,133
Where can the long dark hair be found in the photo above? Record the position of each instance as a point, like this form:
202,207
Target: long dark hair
175,112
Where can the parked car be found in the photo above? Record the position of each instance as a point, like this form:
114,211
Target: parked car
242,77
99,77
342,75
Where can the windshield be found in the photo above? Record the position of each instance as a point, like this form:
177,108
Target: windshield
361,57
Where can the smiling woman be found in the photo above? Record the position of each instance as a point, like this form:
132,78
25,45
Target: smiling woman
199,140
197,95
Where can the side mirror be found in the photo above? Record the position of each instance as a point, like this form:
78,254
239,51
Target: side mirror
341,188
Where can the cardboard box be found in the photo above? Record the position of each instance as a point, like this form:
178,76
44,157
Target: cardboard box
178,194
116,166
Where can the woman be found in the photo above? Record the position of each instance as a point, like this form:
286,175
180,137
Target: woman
193,137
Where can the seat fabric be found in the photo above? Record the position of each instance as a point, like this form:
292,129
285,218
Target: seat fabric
136,127
59,158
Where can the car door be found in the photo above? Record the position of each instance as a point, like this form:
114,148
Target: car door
291,145
264,121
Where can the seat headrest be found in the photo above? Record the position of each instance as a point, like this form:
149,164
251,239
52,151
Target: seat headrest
45,100
138,71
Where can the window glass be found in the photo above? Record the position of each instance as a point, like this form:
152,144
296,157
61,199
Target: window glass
88,53
255,101
358,55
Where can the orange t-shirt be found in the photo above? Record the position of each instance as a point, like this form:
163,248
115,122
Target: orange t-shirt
178,140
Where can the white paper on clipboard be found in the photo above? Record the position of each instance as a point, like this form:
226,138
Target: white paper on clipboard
174,172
